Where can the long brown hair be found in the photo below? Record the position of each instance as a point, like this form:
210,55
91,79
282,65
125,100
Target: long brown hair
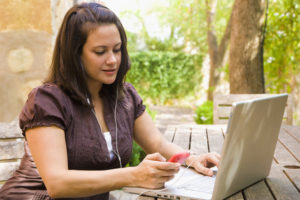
66,68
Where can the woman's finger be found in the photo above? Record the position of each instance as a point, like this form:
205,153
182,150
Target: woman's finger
167,166
166,178
214,159
156,157
203,170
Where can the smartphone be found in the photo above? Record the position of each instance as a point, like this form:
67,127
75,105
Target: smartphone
179,157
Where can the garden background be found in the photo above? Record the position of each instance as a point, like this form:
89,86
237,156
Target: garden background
180,50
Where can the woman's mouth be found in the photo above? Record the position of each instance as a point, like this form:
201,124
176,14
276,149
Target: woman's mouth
109,71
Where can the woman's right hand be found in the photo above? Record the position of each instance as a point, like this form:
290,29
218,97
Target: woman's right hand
154,171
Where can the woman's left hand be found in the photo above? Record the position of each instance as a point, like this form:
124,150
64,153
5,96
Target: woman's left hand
203,163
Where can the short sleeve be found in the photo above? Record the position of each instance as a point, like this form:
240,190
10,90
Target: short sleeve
46,106
139,107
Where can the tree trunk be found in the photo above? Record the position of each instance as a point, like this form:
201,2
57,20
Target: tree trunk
216,52
246,73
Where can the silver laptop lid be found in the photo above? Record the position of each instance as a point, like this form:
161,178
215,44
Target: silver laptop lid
249,144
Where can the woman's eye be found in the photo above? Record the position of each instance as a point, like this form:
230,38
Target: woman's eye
99,52
117,50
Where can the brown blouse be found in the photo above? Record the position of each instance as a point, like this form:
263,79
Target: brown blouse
86,146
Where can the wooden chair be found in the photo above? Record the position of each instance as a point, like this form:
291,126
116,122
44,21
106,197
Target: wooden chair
223,104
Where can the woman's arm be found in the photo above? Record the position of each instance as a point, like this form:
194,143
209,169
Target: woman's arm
151,140
48,148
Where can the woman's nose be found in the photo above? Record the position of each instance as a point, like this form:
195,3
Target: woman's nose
111,59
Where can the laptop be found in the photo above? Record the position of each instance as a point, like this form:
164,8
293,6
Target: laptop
247,154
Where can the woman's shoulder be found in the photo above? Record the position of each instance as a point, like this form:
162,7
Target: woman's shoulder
128,87
130,91
47,104
49,87
48,90
133,98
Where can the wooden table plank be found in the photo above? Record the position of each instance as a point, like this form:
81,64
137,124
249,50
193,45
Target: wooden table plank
258,191
294,131
199,140
290,143
280,185
294,176
170,133
238,196
283,156
182,137
215,139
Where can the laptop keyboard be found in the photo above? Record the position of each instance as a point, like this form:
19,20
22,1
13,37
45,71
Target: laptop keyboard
190,184
202,184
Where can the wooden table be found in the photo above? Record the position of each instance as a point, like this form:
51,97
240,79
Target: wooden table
283,181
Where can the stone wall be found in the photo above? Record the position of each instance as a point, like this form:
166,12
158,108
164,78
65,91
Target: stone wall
25,40
11,149
27,32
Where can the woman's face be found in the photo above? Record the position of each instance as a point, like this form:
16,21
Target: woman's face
101,54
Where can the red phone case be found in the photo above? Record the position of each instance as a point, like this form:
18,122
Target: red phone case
179,157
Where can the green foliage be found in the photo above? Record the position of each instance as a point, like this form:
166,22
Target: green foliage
222,15
282,46
152,113
187,23
162,76
132,41
204,113
138,154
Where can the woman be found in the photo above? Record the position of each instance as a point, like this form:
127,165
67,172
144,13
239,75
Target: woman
80,124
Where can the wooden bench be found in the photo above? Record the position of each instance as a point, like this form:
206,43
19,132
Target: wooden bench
223,104
11,149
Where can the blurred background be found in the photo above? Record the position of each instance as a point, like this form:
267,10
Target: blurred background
180,50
